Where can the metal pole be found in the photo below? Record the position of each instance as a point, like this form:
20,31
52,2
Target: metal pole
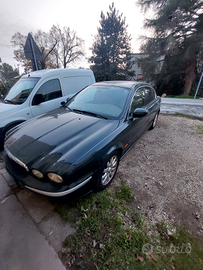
198,85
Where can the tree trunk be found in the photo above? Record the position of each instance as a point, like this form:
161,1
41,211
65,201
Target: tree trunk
189,75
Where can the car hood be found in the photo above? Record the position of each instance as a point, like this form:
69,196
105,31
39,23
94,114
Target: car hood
61,135
6,109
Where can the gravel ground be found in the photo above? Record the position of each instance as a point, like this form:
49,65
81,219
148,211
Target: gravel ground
164,171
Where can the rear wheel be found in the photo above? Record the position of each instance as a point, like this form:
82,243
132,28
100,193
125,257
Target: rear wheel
108,171
154,121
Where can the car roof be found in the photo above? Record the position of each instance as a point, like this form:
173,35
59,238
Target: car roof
125,84
48,72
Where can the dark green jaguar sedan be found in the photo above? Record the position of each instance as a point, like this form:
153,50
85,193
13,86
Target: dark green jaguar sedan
77,148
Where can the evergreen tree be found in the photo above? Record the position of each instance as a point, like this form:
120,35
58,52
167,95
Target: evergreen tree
177,30
111,48
8,76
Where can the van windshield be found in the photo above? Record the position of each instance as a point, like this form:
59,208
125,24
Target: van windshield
21,90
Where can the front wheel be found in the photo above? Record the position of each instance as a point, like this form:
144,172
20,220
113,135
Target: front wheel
154,121
108,171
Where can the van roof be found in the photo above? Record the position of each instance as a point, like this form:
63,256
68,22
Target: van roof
49,72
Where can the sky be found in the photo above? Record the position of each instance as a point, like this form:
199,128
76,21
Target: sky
82,16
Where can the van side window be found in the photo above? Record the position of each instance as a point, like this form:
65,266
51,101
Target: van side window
74,84
48,91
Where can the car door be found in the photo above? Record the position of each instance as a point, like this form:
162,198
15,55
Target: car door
150,96
134,127
48,97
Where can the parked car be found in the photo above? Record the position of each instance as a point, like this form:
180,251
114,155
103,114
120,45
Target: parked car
78,146
40,92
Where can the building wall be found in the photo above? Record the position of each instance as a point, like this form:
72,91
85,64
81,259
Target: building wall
136,65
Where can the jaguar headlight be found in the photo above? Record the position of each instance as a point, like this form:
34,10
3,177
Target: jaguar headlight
55,177
37,173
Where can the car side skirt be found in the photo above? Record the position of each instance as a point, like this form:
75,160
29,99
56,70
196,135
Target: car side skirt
59,194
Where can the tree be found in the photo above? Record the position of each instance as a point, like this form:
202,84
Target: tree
45,46
69,46
18,40
58,47
111,48
8,76
177,34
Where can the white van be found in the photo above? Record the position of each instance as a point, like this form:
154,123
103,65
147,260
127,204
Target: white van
39,92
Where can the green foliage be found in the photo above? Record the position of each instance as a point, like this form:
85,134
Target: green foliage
9,76
180,96
111,48
177,38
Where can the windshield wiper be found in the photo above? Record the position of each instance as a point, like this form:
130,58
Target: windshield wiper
6,100
69,108
90,113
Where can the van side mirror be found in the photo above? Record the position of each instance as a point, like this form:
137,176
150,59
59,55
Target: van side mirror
139,112
38,98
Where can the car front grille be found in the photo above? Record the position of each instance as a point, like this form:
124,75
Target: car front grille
15,166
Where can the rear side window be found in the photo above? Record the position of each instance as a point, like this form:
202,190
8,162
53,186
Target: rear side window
149,95
50,90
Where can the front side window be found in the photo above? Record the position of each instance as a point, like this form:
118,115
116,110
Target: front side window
48,91
21,90
149,94
138,100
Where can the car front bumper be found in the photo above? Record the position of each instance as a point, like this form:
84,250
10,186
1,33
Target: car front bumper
21,174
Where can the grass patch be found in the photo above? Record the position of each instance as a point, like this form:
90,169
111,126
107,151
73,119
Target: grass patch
110,234
182,96
124,193
199,129
189,116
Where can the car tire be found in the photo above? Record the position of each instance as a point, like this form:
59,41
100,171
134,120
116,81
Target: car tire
108,171
154,121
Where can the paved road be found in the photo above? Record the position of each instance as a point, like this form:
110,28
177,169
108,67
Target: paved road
193,107
31,232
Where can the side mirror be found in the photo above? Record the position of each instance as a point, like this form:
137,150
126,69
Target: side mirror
68,99
38,98
140,112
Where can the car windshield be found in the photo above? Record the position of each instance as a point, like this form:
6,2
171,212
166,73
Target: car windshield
21,90
102,101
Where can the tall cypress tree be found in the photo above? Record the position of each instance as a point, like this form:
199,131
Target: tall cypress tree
177,35
111,48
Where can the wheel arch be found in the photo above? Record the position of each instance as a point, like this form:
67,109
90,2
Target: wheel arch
13,124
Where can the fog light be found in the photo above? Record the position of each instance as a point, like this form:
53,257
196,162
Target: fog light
55,177
37,173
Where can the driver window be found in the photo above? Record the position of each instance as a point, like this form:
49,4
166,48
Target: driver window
50,90
138,100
